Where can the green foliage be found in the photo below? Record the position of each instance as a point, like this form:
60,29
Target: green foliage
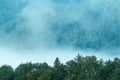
6,73
80,68
22,70
59,70
57,63
32,75
46,75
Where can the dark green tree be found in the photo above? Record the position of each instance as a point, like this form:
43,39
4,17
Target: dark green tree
22,70
32,75
46,74
6,73
57,63
116,70
59,71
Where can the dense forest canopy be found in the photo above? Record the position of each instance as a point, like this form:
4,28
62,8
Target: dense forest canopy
80,68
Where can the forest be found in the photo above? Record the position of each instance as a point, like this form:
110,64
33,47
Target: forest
79,68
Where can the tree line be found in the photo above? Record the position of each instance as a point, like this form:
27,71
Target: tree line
80,68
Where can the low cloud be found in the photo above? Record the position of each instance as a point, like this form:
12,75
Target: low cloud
78,24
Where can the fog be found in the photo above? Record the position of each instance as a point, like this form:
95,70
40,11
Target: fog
39,31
